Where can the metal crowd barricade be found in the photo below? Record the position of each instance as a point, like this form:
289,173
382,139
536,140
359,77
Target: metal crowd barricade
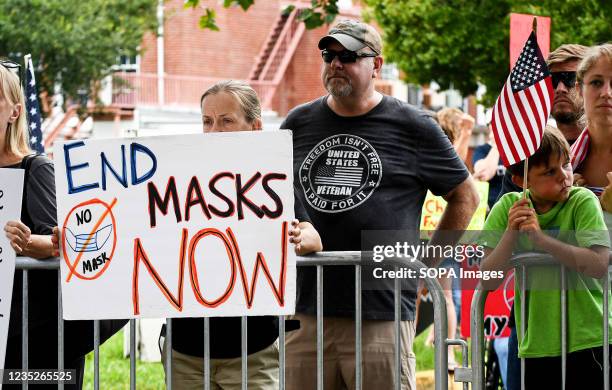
522,262
318,260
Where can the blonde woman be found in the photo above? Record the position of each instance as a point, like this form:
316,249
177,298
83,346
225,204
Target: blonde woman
31,236
458,127
592,151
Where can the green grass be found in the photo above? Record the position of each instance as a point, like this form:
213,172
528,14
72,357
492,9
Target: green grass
425,354
115,369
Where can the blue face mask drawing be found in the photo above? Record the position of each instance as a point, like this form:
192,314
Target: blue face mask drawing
78,242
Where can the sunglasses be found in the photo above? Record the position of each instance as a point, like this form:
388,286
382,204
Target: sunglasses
567,78
344,56
12,66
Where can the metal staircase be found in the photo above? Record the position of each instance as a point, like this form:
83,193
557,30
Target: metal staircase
277,52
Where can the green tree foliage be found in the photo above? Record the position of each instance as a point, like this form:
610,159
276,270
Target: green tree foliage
320,12
463,43
74,42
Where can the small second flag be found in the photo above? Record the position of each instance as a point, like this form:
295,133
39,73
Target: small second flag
33,109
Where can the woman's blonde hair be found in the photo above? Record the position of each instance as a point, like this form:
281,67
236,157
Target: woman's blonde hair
593,54
591,57
450,120
243,92
16,136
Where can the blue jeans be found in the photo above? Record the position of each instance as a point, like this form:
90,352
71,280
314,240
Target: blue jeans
513,373
501,350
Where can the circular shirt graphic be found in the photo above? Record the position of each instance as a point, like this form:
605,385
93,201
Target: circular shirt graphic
340,173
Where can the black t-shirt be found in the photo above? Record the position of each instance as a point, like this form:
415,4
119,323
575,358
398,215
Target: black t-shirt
369,172
38,212
225,339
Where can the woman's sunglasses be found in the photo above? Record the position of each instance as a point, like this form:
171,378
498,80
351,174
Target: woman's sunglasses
12,66
344,56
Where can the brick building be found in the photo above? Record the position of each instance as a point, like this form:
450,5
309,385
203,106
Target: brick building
158,91
269,49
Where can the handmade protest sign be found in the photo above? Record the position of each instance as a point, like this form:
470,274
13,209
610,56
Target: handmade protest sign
11,187
434,206
178,226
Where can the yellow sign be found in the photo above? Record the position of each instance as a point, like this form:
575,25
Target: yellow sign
434,206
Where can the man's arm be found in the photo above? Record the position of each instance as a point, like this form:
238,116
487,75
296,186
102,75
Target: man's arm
485,168
463,142
462,203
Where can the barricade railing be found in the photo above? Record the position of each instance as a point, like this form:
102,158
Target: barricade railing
318,260
521,263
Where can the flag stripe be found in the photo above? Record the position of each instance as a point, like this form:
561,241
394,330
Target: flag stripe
350,169
503,121
533,96
513,126
352,175
528,112
500,136
517,113
579,148
540,93
515,156
542,103
535,114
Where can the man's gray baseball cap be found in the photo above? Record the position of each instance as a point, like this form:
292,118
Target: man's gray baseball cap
353,35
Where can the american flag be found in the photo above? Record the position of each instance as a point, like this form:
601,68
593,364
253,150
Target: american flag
34,118
339,176
522,108
578,152
579,149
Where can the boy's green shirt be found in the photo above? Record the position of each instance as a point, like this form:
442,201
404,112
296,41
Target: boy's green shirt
579,222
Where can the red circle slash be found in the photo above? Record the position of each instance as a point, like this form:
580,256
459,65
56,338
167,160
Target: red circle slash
72,266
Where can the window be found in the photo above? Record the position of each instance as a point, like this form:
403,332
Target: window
127,63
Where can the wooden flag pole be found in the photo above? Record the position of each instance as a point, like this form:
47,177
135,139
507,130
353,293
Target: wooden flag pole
526,165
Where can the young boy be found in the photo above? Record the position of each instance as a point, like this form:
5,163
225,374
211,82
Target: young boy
567,223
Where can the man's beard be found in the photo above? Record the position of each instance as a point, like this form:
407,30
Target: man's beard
565,117
571,116
336,87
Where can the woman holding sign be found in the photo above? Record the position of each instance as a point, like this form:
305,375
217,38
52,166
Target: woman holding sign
31,236
234,106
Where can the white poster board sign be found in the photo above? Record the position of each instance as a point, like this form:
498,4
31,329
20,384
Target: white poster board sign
11,187
176,226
